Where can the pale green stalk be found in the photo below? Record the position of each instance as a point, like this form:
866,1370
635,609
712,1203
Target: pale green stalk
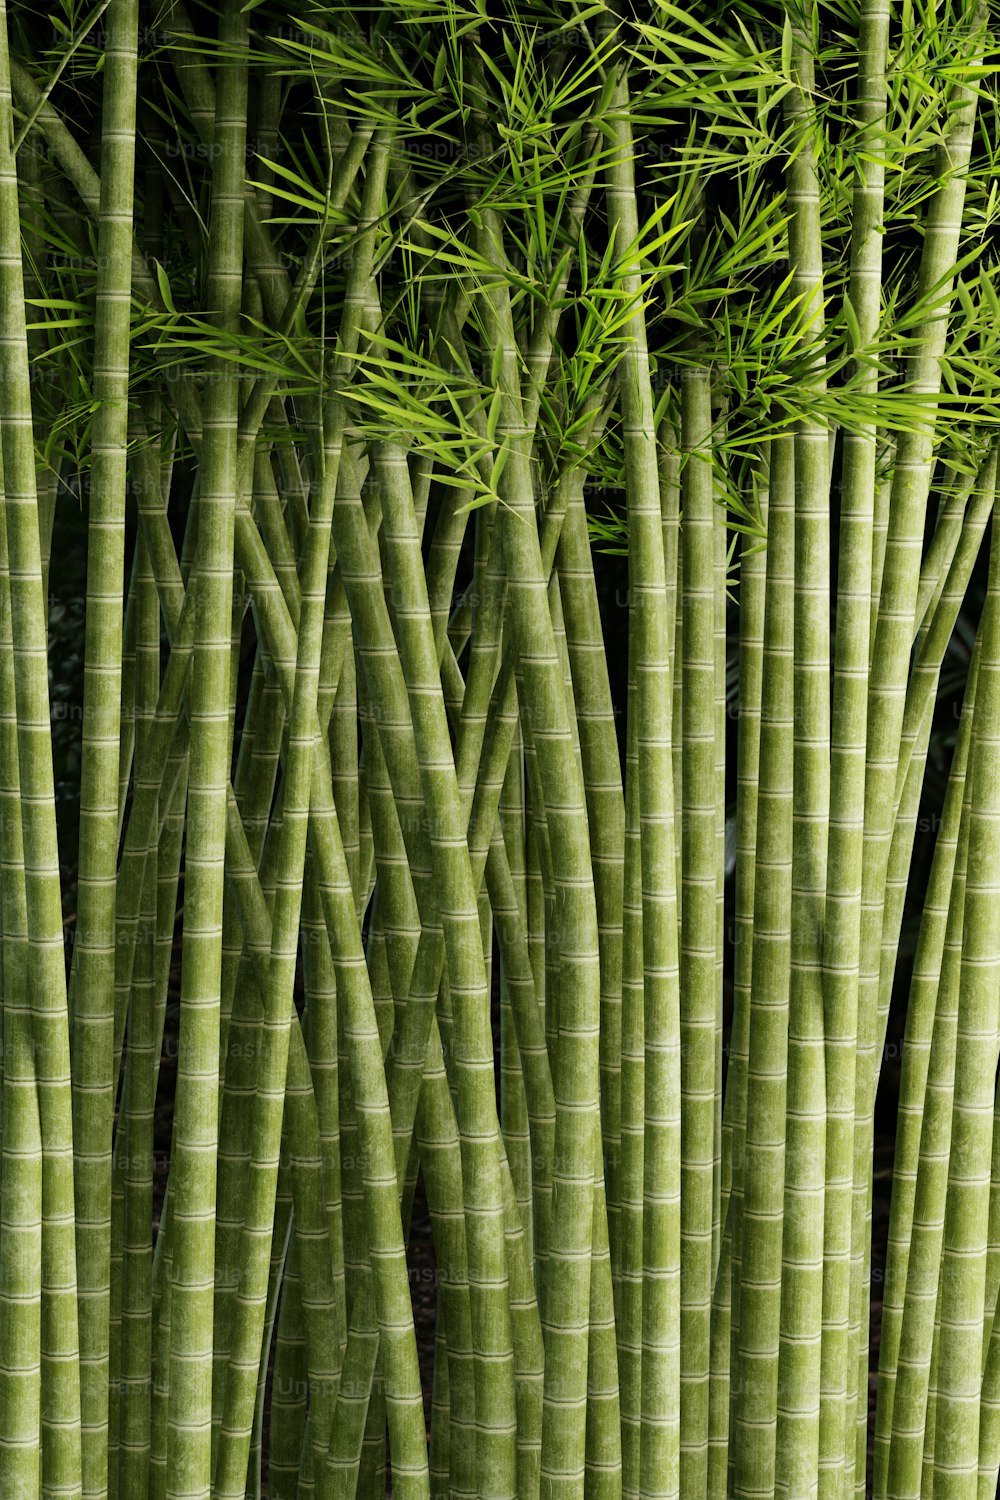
726,1298
966,1221
21,1188
754,1425
196,1111
799,1375
135,1133
441,1163
266,1118
513,1100
698,979
855,617
60,1348
478,1125
566,1303
890,657
289,1387
921,1028
628,1269
99,794
674,1417
720,1188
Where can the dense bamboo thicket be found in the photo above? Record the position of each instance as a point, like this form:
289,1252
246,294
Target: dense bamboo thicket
538,755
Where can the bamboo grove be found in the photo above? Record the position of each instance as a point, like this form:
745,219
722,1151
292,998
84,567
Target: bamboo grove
537,469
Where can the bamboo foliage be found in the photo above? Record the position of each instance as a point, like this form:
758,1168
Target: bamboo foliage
531,478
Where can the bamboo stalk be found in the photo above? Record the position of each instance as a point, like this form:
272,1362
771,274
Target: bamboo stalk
196,1119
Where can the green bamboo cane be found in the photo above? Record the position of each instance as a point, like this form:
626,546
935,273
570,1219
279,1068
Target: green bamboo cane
756,1403
126,732
320,1311
441,1164
855,596
242,1070
529,1352
989,1404
289,1387
559,632
238,1079
490,587
395,927
353,1404
893,639
535,902
237,1420
751,641
440,1430
566,1301
513,1100
966,1221
196,1109
479,1129
257,921
677,722
132,1167
513,944
918,1349
279,1249
135,1134
132,1429
443,557
321,1036
947,531
993,1244
375,1142
344,764
916,1371
60,1436
270,520
162,1268
629,1278
885,456
168,865
545,894
929,651
799,1374
351,1187
603,1477
698,923
401,1056
671,1431
164,751
253,826
529,1036
253,788
921,1024
486,791
605,810
21,1187
670,514
390,1287
240,1064
930,1432
306,1172
720,1194
359,1364
168,871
